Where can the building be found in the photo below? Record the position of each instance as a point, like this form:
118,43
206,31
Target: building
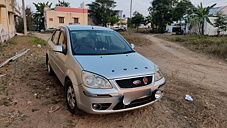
65,16
208,28
9,11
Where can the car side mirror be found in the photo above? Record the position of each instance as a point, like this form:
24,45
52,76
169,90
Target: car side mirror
58,48
132,46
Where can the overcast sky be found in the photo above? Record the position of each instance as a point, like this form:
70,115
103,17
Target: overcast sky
138,5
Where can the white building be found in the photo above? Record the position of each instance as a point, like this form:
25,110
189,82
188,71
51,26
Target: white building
208,28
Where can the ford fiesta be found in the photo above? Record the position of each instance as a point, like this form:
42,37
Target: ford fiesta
100,71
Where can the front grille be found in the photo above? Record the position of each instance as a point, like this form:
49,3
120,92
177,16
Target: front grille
128,83
134,103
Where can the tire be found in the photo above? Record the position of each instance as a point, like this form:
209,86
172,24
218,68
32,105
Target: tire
49,69
71,98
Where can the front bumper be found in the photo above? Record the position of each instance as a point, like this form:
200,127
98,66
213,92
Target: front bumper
102,101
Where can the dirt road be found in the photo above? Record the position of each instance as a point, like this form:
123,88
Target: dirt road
29,92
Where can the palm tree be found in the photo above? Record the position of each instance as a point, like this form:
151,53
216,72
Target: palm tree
39,13
202,15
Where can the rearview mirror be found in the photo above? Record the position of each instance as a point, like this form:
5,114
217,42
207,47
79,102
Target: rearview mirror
58,48
132,46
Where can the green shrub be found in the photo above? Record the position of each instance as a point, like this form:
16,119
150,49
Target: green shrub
36,40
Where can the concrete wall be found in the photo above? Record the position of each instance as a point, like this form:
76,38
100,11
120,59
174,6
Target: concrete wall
7,19
211,30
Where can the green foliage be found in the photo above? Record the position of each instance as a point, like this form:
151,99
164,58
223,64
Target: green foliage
221,22
183,8
201,14
112,20
29,19
39,13
161,13
137,19
36,40
101,10
62,3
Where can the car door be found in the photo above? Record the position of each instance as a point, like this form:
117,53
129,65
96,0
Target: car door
52,54
61,57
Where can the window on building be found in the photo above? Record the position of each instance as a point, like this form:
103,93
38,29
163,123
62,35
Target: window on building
10,19
76,20
61,19
51,19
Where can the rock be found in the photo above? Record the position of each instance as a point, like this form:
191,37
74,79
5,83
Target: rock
39,46
29,102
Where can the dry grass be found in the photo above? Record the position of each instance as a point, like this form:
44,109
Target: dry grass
135,38
216,46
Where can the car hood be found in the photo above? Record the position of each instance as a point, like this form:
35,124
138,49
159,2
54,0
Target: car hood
116,66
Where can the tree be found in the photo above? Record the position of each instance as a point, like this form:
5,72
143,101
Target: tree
183,9
137,19
113,20
201,13
161,13
39,13
221,22
102,10
62,3
29,19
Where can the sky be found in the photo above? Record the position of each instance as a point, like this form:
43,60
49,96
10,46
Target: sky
140,6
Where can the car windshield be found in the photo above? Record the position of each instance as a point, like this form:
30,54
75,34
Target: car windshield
98,42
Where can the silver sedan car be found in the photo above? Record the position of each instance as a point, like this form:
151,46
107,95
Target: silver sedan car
100,71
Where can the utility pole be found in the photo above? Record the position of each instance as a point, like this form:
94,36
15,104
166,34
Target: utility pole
24,15
131,14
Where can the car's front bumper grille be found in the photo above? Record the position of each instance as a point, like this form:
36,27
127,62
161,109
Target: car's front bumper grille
134,103
129,83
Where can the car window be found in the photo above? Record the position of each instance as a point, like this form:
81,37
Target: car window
96,42
62,40
56,37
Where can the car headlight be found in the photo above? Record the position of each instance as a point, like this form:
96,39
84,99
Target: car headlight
95,81
158,74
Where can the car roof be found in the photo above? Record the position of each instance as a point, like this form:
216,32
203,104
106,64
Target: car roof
85,27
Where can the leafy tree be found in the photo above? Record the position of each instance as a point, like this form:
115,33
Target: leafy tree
201,14
29,19
161,12
183,9
221,22
112,20
137,19
102,10
39,13
62,3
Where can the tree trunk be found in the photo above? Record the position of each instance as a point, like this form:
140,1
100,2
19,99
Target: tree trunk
203,28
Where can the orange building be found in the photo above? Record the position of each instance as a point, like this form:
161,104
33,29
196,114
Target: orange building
65,16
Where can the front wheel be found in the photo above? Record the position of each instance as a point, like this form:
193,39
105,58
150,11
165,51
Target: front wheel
71,98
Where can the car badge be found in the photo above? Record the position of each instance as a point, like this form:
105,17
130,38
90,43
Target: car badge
145,80
136,82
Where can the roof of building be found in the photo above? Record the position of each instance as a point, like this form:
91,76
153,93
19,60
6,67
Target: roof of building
215,10
68,9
